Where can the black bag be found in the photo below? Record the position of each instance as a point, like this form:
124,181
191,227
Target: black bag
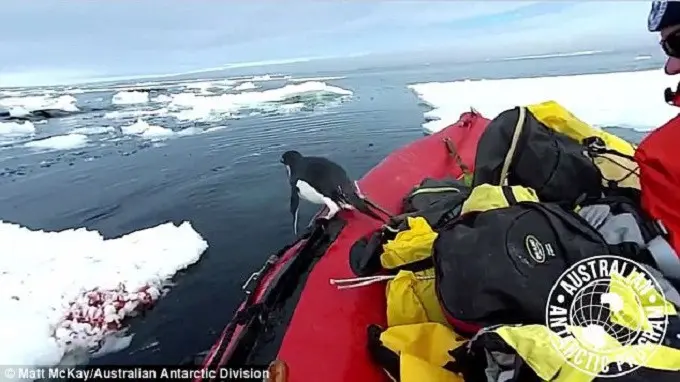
517,148
474,360
498,266
438,201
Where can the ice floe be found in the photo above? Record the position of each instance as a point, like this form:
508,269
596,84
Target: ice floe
624,99
67,291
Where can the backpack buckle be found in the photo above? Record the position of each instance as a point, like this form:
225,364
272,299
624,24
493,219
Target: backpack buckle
594,145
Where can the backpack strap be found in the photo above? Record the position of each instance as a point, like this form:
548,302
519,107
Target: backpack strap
384,357
597,148
596,145
364,255
416,266
510,155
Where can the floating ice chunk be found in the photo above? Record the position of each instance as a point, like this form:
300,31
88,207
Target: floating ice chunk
16,128
245,86
65,291
625,99
145,130
129,98
190,106
162,98
266,77
59,142
120,114
43,102
94,130
19,111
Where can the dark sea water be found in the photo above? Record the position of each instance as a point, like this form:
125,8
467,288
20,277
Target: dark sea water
229,184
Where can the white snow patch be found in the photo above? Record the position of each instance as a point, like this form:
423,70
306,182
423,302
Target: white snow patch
264,78
216,128
162,98
42,102
18,112
201,86
189,106
17,129
145,130
245,86
129,98
190,131
59,142
64,292
198,85
121,114
93,130
625,99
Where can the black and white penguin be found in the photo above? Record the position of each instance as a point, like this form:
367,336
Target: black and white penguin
321,181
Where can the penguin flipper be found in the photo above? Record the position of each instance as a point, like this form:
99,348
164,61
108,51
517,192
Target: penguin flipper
294,206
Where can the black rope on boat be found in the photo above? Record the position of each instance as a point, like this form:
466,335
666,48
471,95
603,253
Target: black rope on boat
377,207
451,148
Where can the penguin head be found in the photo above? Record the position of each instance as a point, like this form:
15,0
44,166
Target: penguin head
290,157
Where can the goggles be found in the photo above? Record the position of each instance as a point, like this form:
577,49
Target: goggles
671,44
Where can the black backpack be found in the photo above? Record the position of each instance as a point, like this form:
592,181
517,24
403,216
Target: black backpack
485,350
438,201
517,148
498,266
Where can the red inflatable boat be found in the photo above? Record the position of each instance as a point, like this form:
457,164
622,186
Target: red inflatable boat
292,318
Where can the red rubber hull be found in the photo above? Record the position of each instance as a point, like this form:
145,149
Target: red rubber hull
326,338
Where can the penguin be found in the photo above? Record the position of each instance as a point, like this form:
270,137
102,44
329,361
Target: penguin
322,181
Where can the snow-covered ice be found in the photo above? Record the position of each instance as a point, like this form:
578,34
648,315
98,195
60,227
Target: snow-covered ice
183,103
94,130
121,114
625,99
64,292
189,106
59,142
130,98
17,128
22,105
145,130
245,86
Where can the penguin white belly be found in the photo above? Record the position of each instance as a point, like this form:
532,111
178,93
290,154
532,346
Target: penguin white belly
308,193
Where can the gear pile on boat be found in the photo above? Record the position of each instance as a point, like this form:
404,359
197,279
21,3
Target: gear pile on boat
537,264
